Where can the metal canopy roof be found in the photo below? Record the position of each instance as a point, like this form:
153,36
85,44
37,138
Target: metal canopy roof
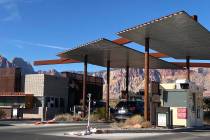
101,50
176,35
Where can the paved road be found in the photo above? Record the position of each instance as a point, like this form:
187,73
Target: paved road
56,133
39,133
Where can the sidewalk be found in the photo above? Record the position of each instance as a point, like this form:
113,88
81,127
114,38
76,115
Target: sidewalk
153,130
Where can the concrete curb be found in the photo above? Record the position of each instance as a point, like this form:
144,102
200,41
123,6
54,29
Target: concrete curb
154,130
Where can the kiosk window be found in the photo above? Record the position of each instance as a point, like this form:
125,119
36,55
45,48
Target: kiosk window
56,102
194,102
198,113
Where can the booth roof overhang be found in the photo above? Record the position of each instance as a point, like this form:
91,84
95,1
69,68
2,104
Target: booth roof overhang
100,51
177,35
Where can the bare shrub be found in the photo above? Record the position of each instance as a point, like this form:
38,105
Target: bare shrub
2,114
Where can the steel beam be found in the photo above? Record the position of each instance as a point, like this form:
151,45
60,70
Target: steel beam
55,61
195,18
127,82
84,86
192,64
188,67
107,94
146,80
121,41
158,55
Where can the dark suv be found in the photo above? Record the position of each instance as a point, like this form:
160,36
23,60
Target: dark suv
126,109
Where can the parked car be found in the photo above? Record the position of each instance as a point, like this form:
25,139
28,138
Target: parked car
100,104
126,109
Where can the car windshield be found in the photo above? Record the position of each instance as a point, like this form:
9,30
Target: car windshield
121,104
129,104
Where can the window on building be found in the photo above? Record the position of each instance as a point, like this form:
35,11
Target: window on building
165,96
56,103
47,100
194,101
198,113
61,102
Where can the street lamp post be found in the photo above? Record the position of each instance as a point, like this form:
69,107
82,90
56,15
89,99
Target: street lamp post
43,110
89,101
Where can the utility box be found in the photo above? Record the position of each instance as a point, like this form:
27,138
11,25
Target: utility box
163,117
185,102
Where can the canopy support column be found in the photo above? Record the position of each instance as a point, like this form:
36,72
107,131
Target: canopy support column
107,95
127,82
188,67
84,85
146,80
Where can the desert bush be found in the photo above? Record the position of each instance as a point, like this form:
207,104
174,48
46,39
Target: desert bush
101,112
146,124
136,119
2,114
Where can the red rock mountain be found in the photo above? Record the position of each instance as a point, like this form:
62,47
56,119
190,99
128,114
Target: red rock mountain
200,76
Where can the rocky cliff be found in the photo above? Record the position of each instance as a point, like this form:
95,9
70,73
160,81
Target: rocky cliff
26,68
4,63
200,76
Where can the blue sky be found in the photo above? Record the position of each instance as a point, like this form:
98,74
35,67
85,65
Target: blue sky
39,29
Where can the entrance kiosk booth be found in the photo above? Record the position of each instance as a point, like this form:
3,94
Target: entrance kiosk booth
185,101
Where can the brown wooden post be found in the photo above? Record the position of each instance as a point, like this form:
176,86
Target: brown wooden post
188,67
146,80
84,86
107,95
195,17
127,82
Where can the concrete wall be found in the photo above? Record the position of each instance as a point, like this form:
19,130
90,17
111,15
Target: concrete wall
34,84
48,86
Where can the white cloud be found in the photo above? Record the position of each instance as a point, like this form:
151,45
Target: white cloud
26,43
11,10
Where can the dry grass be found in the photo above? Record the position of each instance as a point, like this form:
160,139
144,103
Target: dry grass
99,115
136,121
67,117
94,117
117,125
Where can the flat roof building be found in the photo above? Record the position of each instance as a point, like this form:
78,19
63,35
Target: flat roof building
10,80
